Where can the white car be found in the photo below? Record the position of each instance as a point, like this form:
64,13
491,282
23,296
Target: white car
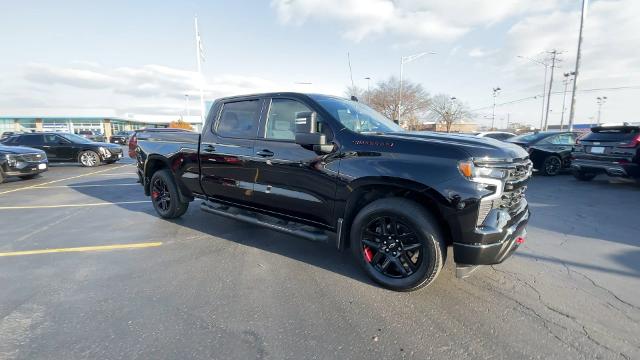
498,135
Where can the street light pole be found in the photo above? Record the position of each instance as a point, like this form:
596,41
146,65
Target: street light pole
583,17
368,88
493,116
601,101
186,100
553,66
403,60
566,81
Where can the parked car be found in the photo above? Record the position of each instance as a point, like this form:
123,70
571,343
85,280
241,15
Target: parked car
121,137
92,135
133,140
8,134
69,147
323,167
550,151
612,150
498,135
23,162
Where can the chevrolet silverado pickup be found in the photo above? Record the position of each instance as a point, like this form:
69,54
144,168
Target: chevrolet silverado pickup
330,169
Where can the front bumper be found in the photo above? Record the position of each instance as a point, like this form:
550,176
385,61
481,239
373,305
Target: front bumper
611,168
112,156
29,168
493,243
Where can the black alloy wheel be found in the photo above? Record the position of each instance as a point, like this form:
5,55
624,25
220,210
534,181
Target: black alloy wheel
552,165
165,195
160,194
398,243
391,247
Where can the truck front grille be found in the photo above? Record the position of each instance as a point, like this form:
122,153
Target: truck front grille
511,196
36,157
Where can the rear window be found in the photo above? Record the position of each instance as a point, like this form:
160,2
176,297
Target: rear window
530,137
612,134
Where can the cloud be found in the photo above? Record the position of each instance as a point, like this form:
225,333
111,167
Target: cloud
152,88
417,19
480,53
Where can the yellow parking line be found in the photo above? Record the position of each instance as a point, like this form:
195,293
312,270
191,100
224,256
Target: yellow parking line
82,249
72,205
82,186
56,181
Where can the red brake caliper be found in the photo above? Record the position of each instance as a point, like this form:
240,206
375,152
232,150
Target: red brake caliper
155,194
368,254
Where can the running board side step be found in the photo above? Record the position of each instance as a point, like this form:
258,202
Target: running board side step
287,227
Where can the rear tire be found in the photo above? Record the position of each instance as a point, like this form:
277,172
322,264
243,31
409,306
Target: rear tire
1,176
398,243
551,166
584,176
165,195
89,158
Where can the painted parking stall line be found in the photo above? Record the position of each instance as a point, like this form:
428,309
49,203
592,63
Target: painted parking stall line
73,205
82,249
65,179
83,186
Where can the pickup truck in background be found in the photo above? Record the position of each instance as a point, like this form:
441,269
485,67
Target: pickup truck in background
330,169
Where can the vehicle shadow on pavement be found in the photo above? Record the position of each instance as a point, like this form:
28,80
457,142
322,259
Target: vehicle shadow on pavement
630,260
322,255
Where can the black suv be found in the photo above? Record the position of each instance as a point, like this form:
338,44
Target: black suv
23,162
550,151
331,169
69,147
121,137
611,150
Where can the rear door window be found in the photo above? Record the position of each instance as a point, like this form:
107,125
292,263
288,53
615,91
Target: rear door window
31,140
239,119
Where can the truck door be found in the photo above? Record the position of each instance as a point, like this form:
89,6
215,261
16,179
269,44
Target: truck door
291,179
226,170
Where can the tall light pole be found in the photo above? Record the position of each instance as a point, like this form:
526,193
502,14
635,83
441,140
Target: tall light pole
403,60
567,80
493,115
583,17
554,54
544,85
600,101
186,104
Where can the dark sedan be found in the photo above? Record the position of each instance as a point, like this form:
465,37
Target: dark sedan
23,162
65,147
121,137
550,151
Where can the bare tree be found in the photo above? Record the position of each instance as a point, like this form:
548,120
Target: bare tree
356,91
447,110
385,98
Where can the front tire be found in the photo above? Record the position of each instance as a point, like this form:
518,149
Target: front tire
165,195
398,243
584,176
551,166
89,158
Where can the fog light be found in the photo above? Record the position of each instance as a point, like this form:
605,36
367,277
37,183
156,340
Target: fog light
519,240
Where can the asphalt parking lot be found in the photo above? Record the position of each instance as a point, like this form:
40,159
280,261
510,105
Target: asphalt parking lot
87,270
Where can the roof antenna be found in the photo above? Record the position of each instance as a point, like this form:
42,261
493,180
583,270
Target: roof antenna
350,71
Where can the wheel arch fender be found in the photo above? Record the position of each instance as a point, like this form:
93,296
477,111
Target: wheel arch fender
368,189
155,162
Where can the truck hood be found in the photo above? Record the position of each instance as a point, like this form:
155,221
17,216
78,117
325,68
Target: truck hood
19,150
476,147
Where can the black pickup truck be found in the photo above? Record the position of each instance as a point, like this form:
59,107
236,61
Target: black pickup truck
330,169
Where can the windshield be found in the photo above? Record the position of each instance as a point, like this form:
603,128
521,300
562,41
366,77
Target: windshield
76,139
356,116
530,137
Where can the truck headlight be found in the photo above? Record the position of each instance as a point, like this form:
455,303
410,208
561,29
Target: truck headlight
11,161
469,170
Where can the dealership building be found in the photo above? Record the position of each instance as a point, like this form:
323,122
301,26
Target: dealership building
99,124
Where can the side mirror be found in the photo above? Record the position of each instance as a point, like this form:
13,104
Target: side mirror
306,135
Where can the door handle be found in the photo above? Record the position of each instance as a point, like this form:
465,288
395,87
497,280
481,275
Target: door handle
265,153
209,148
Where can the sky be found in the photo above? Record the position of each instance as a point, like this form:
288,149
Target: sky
138,58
